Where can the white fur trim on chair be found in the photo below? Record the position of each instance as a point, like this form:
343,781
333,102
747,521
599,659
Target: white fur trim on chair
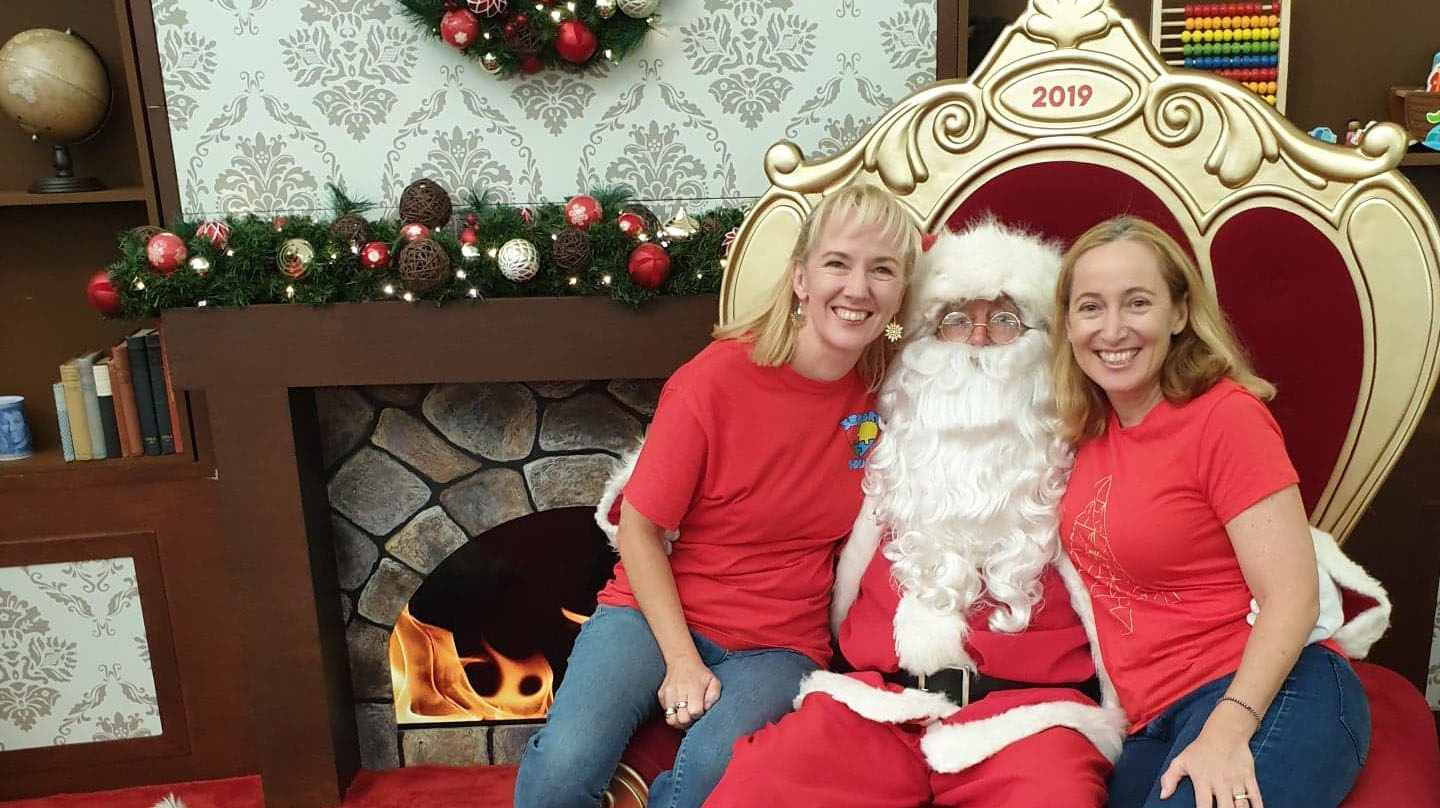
1356,636
855,558
956,747
877,704
613,487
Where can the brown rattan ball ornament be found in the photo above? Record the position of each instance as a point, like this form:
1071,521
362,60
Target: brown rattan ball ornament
145,231
350,229
652,222
423,265
571,250
424,201
524,41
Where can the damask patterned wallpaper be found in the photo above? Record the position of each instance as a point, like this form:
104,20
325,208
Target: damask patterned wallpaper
74,661
271,99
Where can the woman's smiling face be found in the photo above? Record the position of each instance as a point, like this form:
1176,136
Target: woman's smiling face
1120,323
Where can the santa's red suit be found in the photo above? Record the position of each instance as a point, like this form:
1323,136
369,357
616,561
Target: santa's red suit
858,739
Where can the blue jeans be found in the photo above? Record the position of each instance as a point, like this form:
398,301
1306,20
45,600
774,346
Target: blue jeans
1308,750
610,689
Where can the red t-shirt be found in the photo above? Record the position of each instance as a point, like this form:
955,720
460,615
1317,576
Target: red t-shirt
759,469
1143,520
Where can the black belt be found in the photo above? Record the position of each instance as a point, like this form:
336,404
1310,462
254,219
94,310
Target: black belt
963,687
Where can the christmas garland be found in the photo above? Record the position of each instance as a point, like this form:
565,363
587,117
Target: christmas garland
509,36
597,245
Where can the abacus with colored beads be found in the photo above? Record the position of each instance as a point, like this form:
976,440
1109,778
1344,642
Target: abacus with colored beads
1247,42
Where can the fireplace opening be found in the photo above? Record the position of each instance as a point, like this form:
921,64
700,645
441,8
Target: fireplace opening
486,636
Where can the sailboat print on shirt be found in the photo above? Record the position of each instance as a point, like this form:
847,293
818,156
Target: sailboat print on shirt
1110,586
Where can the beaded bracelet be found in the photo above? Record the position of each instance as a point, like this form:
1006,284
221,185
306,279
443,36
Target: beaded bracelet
1248,708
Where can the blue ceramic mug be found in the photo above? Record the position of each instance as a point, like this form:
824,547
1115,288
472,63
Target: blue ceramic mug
14,433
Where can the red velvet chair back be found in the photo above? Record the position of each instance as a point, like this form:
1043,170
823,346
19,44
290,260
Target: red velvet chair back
1281,282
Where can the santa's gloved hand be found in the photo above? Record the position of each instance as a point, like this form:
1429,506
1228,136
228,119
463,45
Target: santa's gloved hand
689,689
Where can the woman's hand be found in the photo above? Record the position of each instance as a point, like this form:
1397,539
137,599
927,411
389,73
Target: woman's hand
1218,763
688,691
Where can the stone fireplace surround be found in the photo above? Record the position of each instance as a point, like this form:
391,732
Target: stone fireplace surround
255,372
417,471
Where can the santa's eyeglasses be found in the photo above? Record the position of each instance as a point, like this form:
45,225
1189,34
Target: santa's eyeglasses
1003,327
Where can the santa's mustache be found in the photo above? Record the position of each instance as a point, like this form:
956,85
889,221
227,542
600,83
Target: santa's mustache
945,386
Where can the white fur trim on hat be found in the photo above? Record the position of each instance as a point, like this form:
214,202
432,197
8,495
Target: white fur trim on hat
985,260
955,747
876,703
613,486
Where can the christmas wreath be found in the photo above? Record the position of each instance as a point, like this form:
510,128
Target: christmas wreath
506,36
600,244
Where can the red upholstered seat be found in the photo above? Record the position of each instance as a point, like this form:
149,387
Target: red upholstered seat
1289,294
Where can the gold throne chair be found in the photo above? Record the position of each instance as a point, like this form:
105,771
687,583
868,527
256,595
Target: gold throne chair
1325,258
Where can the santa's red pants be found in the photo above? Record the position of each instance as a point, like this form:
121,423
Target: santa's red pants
825,756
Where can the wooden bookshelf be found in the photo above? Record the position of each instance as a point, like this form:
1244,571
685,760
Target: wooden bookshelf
161,510
27,199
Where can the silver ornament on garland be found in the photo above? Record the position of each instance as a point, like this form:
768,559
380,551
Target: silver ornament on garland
639,9
605,8
518,260
490,63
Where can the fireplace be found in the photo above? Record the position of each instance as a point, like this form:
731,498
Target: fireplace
294,605
467,552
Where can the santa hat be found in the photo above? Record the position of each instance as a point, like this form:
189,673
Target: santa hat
985,260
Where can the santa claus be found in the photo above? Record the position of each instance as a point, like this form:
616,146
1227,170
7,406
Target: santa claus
975,683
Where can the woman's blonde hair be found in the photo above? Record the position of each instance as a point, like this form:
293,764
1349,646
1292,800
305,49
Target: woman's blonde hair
1203,353
773,330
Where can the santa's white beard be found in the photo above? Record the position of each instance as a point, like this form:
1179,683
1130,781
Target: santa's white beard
968,475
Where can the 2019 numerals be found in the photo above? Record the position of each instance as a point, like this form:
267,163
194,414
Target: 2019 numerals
1067,96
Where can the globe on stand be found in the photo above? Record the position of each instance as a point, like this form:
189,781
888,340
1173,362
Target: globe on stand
54,86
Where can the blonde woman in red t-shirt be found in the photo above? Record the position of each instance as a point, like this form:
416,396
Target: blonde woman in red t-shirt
1181,507
731,519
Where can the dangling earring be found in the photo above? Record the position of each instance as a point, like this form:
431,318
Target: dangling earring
797,317
894,331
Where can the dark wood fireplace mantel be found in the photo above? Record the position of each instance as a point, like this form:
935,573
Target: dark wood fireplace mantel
258,367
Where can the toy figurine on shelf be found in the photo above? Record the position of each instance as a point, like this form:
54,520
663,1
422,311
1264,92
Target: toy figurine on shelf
1325,134
1352,132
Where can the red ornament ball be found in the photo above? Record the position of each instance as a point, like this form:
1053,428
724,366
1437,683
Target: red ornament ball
631,224
459,28
469,235
217,233
279,222
165,253
375,255
488,8
531,64
649,265
414,230
102,294
582,211
575,42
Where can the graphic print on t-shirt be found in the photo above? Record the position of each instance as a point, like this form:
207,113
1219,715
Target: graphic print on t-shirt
1110,586
867,429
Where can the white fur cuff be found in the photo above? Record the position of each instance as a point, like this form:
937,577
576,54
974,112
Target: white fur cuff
956,747
874,703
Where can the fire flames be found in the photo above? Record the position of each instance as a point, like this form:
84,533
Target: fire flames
430,685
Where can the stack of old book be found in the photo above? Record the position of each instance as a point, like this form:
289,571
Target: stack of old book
118,402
